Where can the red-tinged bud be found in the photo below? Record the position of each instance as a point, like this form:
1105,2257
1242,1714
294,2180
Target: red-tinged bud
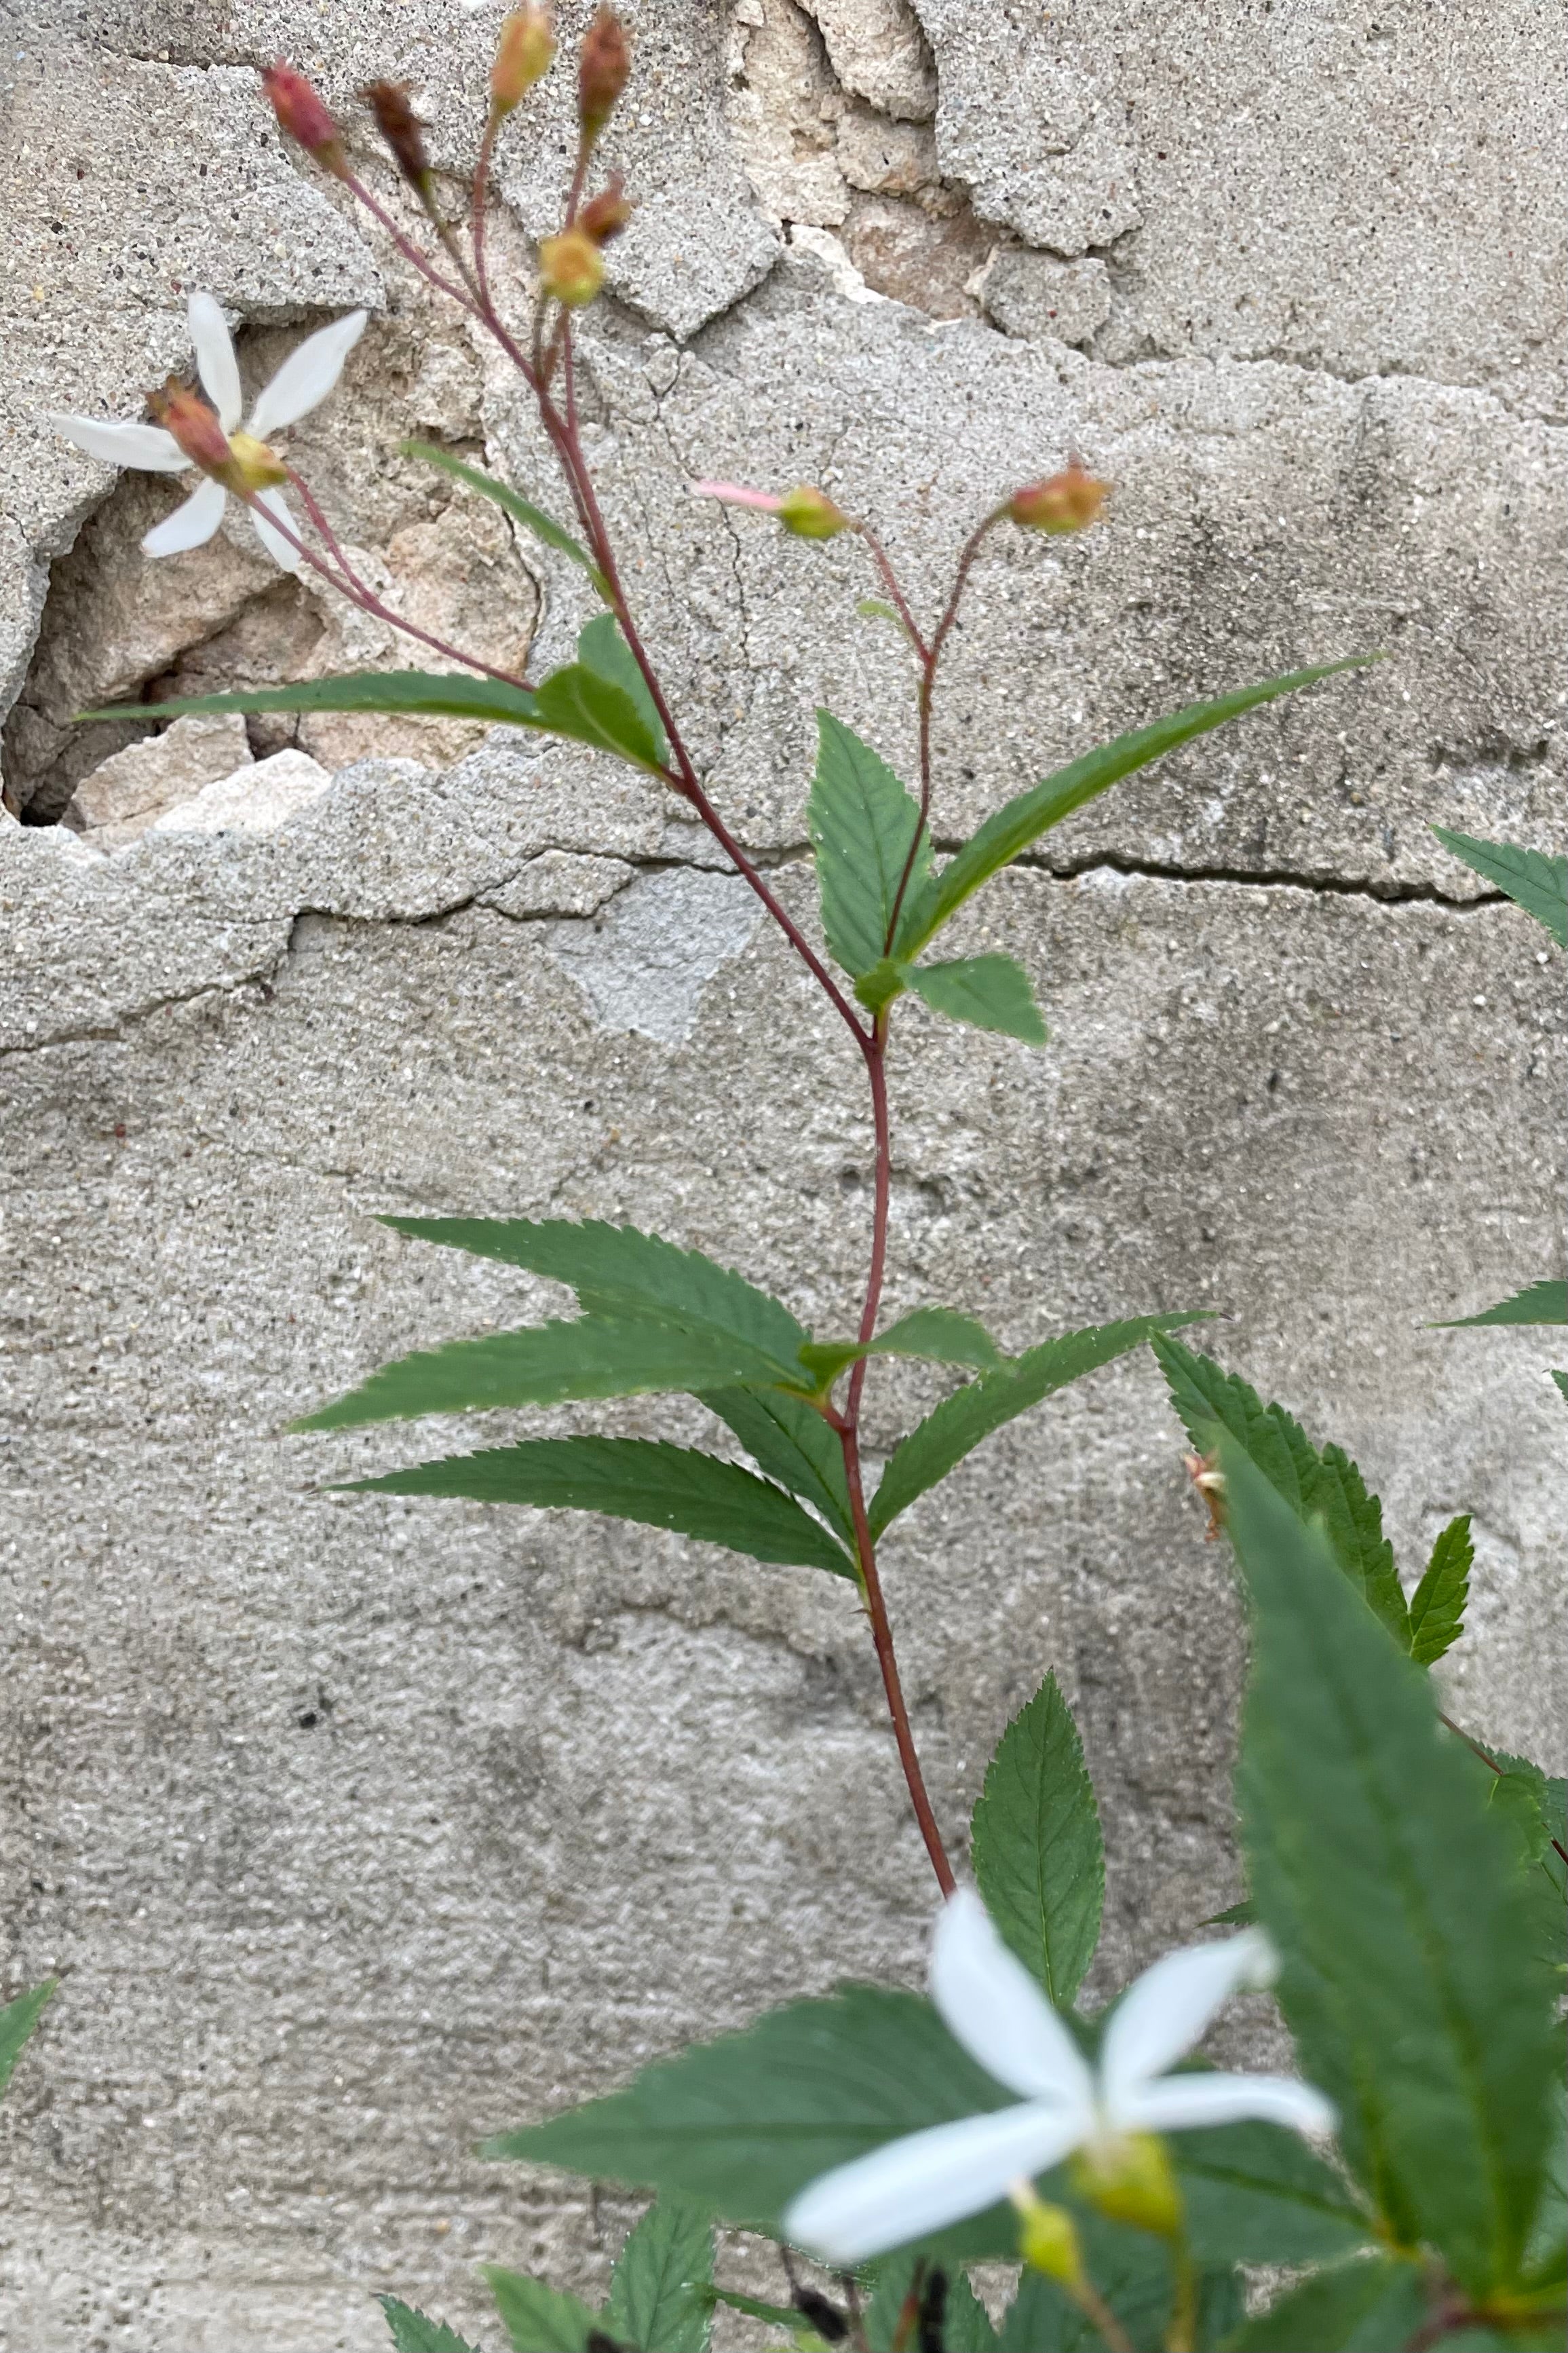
402,130
524,56
185,416
1070,500
811,515
604,63
1208,1479
303,116
571,267
605,215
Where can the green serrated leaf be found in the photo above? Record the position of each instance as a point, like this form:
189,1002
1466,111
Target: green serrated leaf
966,2324
1254,2193
577,701
988,992
539,2319
776,2315
1022,820
940,1334
862,823
1437,1604
394,694
411,2332
532,519
1327,1484
1366,2306
1035,1845
656,2301
1537,882
546,1363
18,2020
641,1479
1539,1303
1396,1903
957,1426
1560,1380
1235,1915
789,1441
602,649
618,1271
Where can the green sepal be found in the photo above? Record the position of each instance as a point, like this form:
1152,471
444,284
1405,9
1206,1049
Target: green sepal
1437,1604
1036,1846
532,519
1533,881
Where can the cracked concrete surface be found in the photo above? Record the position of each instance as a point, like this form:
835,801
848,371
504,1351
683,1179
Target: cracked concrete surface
364,1827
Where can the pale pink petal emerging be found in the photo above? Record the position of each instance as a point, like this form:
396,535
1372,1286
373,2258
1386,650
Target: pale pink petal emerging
146,446
307,375
1177,2102
191,525
277,546
992,2005
1166,2011
736,494
924,2181
215,364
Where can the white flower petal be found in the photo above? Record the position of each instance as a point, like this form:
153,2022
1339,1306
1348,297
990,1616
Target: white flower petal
191,525
277,546
1164,2012
924,2181
307,375
215,364
146,446
1177,2102
994,2007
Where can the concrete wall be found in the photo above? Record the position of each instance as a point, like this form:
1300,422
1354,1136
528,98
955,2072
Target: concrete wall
361,1828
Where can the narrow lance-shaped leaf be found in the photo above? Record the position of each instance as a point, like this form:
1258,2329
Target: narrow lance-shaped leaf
1035,1845
957,1426
412,2332
396,693
1437,1604
789,1441
862,823
18,2020
988,992
938,1334
539,2319
1022,820
1539,1303
1537,882
546,1363
1326,1483
656,2301
602,649
641,1479
532,519
1396,1903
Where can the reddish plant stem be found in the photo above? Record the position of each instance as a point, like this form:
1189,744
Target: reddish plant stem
477,217
407,246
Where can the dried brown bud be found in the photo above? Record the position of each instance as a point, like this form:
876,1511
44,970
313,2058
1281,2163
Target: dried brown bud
604,62
572,268
402,130
605,215
524,56
1070,500
185,416
303,116
811,515
1208,1479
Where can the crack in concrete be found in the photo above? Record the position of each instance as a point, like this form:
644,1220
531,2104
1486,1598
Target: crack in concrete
1319,885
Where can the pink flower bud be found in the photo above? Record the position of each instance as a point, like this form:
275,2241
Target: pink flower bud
605,215
184,415
811,515
402,130
1070,500
524,56
604,64
303,116
571,267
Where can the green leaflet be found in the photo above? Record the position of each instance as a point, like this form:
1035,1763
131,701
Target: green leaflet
602,649
1437,1604
743,2123
1538,883
777,2316
789,1441
412,2332
399,693
18,2020
1370,2307
1397,1905
1257,2194
957,1426
1035,1845
940,1334
656,2301
545,1363
1561,1381
1023,819
989,992
532,519
1328,1484
617,1270
862,823
1539,1303
539,2319
965,2328
580,702
641,1479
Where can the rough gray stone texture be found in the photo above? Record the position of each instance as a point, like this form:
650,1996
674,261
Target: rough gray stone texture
364,1826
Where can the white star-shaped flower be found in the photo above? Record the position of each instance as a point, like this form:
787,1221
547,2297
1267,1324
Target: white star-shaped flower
303,381
992,2005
